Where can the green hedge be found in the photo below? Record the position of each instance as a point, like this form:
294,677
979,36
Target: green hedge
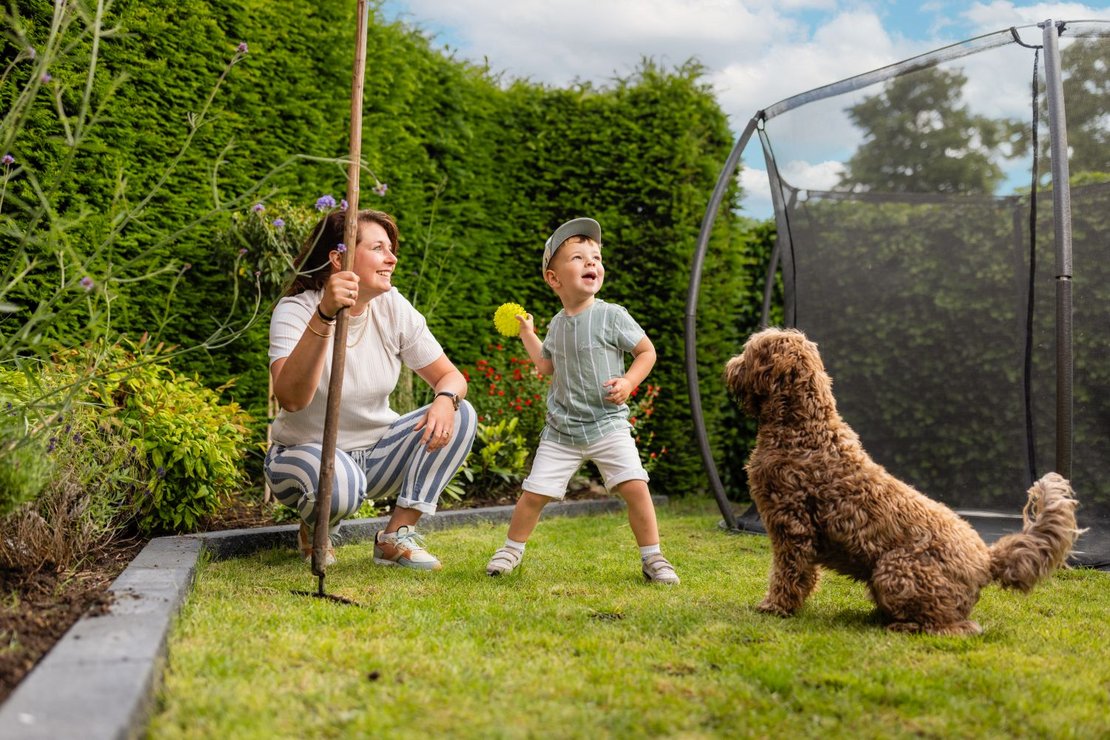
479,172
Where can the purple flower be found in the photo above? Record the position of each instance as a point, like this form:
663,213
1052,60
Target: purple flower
53,443
8,160
258,208
242,48
258,273
87,283
341,247
279,223
343,204
46,77
381,188
324,202
242,251
161,472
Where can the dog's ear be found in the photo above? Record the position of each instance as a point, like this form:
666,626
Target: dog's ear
747,375
775,364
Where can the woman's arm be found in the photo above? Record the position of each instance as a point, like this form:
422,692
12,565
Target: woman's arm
441,375
297,376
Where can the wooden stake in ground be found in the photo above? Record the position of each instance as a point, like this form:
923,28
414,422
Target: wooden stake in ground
339,350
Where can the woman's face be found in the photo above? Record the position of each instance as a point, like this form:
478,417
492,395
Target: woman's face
374,261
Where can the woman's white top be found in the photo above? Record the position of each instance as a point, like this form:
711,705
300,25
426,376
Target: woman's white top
390,331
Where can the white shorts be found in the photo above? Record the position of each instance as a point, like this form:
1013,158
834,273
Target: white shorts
614,454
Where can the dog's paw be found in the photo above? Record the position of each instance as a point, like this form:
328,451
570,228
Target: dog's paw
770,607
961,628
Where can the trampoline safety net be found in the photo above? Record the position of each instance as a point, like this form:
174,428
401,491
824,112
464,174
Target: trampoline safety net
904,208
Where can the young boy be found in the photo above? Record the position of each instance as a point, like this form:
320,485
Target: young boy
587,418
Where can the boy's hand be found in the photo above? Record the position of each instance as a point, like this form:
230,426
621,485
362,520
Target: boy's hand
619,390
526,324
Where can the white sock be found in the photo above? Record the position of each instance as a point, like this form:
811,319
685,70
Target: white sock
514,544
648,550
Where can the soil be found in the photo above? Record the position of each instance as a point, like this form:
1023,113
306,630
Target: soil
37,607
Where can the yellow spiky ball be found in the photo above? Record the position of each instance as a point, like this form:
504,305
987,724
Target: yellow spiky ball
504,319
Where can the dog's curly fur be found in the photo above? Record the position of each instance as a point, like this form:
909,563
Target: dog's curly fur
825,502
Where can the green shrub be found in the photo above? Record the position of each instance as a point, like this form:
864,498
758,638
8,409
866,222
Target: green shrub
88,466
508,386
24,468
193,444
499,460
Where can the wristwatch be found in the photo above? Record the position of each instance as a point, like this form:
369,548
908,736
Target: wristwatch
452,395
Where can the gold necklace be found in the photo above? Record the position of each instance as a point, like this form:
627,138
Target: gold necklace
363,332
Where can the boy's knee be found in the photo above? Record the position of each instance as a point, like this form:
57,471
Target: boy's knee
634,492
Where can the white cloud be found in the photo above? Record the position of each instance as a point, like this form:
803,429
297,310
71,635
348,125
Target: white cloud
993,16
820,176
756,52
757,192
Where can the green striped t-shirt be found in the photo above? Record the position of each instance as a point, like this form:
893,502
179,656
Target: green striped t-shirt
587,350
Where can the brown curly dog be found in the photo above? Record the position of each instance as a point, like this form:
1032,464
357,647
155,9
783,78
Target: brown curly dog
825,502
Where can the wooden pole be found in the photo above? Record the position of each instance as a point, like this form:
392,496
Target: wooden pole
339,351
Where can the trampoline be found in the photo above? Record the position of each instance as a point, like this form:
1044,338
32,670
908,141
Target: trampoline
966,326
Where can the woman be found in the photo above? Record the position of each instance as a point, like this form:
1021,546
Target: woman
378,452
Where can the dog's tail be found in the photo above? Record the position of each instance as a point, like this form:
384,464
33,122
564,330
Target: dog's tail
1021,560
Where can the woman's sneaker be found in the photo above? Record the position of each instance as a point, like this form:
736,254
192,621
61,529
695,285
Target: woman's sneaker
657,569
405,548
504,561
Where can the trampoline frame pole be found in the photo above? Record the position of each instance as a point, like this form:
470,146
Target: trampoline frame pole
691,322
1061,210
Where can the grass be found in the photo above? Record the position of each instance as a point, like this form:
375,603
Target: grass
578,645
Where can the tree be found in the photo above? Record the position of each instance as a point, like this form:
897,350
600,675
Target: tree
919,138
1086,70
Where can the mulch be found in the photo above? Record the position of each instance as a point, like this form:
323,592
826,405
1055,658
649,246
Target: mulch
37,607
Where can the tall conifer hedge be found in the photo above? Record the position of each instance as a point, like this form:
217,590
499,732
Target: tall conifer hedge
479,171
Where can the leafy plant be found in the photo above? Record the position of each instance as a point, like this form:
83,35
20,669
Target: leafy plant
24,468
641,408
194,445
266,238
506,387
499,459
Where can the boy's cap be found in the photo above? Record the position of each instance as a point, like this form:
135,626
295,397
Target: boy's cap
574,227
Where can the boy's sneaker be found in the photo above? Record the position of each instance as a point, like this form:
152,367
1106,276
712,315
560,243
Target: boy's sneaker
304,542
405,548
504,561
658,570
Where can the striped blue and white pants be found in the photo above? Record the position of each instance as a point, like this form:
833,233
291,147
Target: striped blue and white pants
398,464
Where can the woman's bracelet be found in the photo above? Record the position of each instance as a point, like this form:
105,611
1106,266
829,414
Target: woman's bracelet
323,316
319,334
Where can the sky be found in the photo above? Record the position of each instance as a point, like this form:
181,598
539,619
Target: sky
755,52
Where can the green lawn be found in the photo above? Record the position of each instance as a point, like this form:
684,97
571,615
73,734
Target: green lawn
578,645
